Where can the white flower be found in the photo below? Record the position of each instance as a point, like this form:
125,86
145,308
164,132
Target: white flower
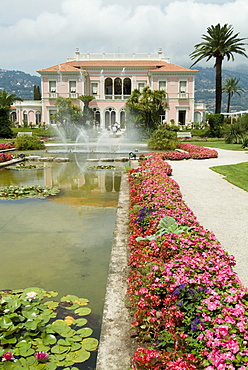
31,295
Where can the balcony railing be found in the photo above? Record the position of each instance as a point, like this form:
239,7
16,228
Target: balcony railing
53,95
117,97
183,95
73,95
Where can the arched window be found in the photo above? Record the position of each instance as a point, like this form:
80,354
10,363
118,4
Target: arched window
110,117
127,86
97,116
25,116
37,117
122,116
109,87
118,88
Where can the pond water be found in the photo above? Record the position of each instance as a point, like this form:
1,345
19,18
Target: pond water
61,243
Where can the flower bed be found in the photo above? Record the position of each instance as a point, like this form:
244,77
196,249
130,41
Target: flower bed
198,152
5,157
190,308
5,146
35,191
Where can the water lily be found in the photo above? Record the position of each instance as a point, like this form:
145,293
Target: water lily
31,295
8,356
41,356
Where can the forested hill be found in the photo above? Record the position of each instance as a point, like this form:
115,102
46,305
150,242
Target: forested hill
205,89
19,83
22,84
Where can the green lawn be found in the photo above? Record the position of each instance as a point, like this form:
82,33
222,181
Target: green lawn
219,144
236,174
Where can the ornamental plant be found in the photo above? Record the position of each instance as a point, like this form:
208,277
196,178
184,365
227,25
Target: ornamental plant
39,333
190,310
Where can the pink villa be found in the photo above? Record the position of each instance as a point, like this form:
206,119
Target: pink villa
111,78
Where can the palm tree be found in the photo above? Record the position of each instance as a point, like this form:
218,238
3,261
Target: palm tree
220,42
6,100
230,87
87,111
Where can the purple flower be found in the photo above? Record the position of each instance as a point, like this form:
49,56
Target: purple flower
195,323
41,356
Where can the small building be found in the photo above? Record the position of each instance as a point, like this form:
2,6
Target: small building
111,78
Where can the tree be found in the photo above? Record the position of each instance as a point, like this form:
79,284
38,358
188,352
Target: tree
144,109
68,115
231,87
6,100
87,111
37,93
220,42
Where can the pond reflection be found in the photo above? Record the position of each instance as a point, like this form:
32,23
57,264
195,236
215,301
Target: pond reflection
61,243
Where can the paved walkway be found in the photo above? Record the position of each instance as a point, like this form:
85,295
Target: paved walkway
218,205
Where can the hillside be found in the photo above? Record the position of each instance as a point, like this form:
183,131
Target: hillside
21,84
205,89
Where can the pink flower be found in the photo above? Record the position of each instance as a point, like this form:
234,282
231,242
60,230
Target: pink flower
8,356
41,356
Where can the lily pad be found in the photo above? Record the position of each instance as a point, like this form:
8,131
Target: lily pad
85,332
90,344
83,311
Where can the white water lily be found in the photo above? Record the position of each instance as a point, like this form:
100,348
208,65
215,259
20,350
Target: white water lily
31,295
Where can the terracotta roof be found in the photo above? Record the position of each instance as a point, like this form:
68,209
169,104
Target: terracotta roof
151,65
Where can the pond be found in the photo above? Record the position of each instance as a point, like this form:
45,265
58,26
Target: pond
61,243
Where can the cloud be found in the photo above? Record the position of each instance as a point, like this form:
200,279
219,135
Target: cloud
39,39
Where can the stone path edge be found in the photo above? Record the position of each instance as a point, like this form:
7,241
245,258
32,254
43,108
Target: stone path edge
115,347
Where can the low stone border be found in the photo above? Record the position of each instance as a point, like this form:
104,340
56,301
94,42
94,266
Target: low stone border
11,162
115,348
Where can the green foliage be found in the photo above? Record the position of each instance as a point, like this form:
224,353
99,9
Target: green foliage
144,109
33,335
6,100
37,93
5,129
33,191
236,133
219,42
27,142
231,87
163,139
166,225
215,122
88,114
201,132
43,132
68,116
172,127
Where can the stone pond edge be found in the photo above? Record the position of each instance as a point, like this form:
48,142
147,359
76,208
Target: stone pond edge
115,347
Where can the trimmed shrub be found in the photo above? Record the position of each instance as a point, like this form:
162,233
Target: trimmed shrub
162,139
26,142
215,122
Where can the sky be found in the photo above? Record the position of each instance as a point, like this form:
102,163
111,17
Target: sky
36,34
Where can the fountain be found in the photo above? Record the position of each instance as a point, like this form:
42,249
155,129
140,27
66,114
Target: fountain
104,142
83,143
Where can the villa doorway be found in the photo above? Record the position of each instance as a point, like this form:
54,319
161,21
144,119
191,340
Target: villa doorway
182,117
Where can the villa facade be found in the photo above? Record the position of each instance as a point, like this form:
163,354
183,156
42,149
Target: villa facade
111,78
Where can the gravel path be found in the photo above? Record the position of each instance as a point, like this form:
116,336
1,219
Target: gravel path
218,205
